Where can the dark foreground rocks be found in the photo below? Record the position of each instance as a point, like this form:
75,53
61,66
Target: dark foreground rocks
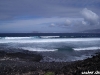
21,56
26,63
85,67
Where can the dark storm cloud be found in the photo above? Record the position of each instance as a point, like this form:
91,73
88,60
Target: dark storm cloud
9,9
48,15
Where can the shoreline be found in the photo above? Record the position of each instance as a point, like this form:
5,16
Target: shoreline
28,63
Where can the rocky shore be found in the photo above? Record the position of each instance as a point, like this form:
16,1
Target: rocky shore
28,63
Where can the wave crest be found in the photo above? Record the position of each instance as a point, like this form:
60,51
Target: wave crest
87,48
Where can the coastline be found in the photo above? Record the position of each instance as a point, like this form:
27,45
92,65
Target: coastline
28,63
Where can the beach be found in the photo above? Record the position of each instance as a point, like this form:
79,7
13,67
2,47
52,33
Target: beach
25,63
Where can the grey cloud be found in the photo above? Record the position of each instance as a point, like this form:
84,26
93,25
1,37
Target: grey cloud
54,13
44,8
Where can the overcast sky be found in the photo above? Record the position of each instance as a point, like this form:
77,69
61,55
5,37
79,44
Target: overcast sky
54,16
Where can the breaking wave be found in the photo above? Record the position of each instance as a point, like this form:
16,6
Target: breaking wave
86,48
31,37
53,48
38,49
52,43
39,40
18,38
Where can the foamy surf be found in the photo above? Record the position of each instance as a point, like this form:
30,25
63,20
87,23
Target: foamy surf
87,48
32,40
38,49
17,38
56,48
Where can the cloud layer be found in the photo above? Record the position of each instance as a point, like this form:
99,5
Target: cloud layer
56,24
10,9
49,15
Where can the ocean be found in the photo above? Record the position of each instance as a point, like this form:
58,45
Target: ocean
54,47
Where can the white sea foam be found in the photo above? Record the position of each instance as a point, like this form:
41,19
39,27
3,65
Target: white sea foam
87,48
12,38
28,40
30,37
38,49
50,47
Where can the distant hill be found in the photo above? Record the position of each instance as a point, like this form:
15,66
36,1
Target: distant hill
35,32
92,31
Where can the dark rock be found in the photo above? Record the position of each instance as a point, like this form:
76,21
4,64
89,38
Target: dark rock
25,56
28,63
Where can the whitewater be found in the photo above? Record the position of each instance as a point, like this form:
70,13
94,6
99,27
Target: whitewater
54,48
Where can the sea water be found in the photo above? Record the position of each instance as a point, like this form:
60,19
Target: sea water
54,48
